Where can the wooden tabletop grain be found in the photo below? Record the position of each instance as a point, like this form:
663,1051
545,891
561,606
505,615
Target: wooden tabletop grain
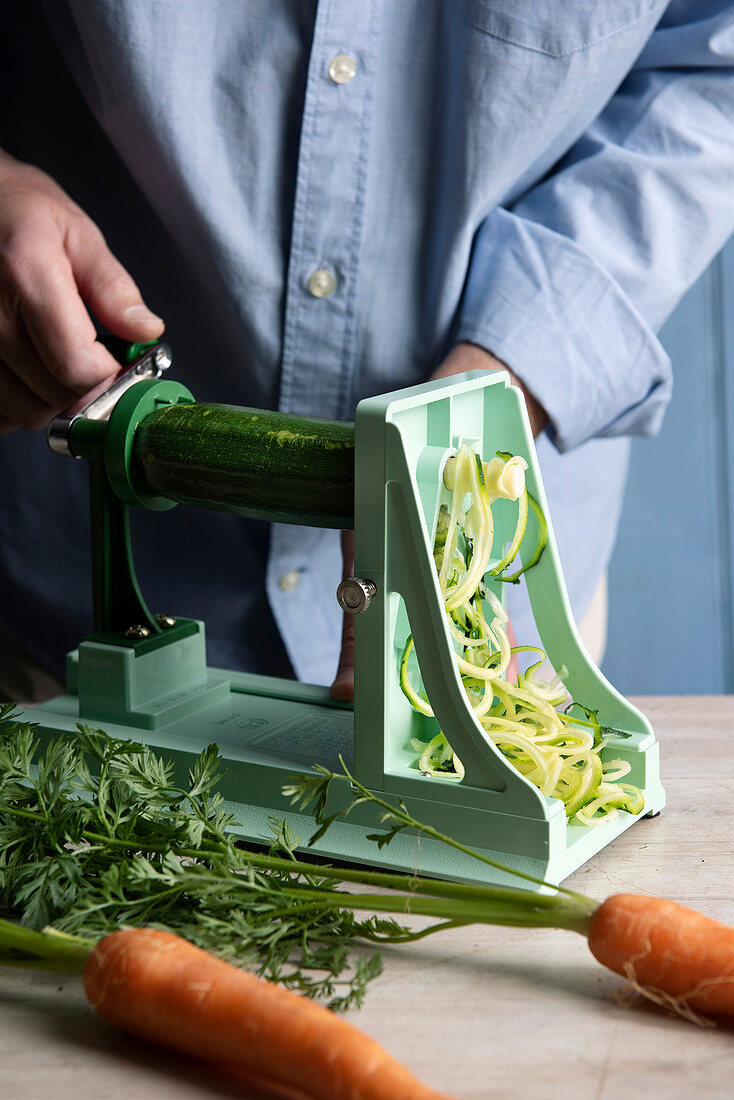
477,1012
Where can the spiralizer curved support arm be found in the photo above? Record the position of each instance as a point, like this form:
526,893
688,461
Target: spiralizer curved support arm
121,615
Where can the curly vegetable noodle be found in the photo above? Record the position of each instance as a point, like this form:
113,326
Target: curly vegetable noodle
556,750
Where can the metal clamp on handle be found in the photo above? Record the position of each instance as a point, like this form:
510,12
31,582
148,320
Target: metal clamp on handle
151,364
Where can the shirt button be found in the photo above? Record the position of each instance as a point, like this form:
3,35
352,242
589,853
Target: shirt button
342,68
289,580
322,283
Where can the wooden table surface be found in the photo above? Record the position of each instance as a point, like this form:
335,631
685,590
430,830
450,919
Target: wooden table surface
476,1012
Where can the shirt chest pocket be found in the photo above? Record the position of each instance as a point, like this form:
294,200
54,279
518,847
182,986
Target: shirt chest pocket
558,28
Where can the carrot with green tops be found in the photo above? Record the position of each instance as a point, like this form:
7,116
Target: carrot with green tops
161,988
671,954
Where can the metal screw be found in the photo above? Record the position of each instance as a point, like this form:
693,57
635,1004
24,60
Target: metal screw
165,621
137,632
355,595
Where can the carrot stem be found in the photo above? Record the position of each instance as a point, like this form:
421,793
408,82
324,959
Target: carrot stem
460,905
47,950
516,912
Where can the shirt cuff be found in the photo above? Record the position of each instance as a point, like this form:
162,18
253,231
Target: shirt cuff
539,302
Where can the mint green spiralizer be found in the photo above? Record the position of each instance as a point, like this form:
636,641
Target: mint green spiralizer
144,675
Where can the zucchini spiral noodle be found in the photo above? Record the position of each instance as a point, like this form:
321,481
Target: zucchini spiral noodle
554,743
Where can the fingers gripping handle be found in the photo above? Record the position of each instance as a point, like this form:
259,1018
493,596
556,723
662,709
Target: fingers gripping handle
149,362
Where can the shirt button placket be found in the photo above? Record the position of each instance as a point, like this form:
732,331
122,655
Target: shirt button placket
319,340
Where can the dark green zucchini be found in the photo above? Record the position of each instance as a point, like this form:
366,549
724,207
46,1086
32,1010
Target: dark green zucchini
266,465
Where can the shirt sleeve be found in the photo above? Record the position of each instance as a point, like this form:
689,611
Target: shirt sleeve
569,285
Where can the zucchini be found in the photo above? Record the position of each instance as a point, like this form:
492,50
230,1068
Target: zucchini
265,465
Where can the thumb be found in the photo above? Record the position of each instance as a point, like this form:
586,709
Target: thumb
343,687
108,289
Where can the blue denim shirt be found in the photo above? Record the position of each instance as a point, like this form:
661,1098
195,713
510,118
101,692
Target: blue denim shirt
345,188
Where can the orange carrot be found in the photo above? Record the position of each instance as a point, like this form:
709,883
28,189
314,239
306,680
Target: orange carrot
160,987
677,956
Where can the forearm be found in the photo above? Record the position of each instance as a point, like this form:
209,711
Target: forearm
570,283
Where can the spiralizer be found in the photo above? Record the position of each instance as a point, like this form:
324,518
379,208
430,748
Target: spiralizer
144,675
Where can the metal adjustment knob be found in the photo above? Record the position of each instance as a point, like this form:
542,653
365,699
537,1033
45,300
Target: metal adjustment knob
165,621
354,595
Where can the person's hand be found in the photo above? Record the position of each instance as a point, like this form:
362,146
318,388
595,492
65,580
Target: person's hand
463,357
53,264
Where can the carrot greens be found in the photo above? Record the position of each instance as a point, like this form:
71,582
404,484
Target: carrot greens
95,834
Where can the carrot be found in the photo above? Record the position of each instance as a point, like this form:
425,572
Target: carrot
164,989
671,953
